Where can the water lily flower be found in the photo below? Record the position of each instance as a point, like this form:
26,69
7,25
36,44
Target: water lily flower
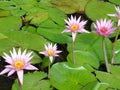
104,27
116,15
50,51
17,63
75,25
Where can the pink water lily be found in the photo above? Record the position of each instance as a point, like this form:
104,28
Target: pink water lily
17,63
75,25
50,51
117,14
104,27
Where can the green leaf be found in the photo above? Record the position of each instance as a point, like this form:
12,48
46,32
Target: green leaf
4,13
96,86
65,77
25,5
57,16
6,45
29,29
33,81
112,80
83,57
52,35
91,43
117,2
96,9
45,62
37,17
115,70
10,23
7,5
2,36
26,40
70,6
117,52
36,59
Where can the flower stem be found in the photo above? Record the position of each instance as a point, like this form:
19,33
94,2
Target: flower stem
49,70
114,46
73,57
19,85
105,55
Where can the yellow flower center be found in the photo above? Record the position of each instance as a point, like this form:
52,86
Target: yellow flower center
103,29
19,64
50,52
74,27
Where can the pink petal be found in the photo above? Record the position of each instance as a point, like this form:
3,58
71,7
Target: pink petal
42,53
85,31
11,72
10,66
20,76
73,36
24,53
112,15
66,30
51,58
5,71
28,59
118,23
30,67
7,58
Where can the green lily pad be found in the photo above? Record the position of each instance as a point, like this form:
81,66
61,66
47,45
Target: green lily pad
25,39
111,79
117,2
65,77
36,17
33,81
10,23
91,43
96,9
83,57
70,6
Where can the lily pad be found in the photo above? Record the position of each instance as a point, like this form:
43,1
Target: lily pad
70,6
65,77
10,23
33,81
97,9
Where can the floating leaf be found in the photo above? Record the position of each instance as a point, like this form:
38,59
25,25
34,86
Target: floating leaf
112,80
26,40
57,16
96,86
29,29
68,6
51,34
33,81
91,43
10,23
65,77
37,17
115,1
96,9
4,13
117,52
83,57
